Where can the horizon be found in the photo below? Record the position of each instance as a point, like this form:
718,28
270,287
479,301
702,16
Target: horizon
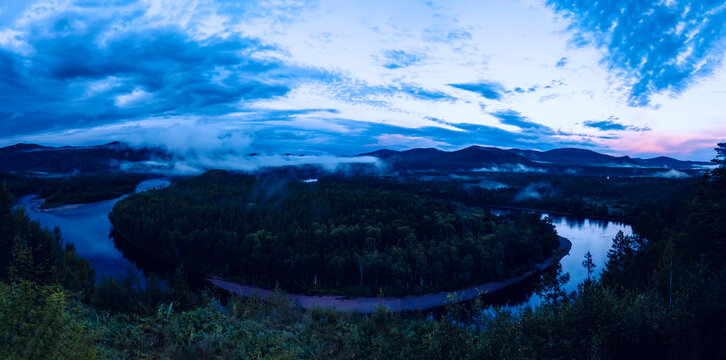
325,78
351,155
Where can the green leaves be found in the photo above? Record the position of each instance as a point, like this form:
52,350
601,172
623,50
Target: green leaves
40,322
29,252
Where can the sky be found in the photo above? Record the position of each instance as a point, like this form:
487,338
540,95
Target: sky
328,78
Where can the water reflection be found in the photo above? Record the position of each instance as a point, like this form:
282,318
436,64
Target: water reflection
87,226
595,236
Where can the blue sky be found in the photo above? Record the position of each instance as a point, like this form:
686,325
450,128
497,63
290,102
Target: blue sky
346,77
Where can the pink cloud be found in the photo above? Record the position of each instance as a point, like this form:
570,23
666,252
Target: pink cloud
692,146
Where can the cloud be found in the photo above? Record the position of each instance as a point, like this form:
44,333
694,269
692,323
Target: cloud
671,174
512,168
488,89
562,62
484,183
305,77
612,124
535,191
296,132
394,59
605,125
90,67
458,35
199,163
657,46
398,141
196,148
514,118
424,94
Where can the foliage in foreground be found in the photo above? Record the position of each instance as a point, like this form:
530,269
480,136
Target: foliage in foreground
41,322
596,323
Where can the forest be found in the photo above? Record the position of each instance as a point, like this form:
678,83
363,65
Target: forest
660,296
614,198
328,236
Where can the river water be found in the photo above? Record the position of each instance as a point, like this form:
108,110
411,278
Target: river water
87,226
595,236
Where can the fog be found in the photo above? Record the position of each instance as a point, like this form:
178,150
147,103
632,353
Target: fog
535,191
672,174
193,149
517,168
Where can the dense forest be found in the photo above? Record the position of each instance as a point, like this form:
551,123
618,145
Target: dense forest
328,236
660,296
615,198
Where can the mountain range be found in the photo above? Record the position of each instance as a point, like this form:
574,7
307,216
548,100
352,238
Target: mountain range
111,157
116,156
486,158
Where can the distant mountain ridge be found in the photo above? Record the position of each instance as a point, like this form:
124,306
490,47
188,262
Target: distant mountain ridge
481,157
32,158
116,156
465,159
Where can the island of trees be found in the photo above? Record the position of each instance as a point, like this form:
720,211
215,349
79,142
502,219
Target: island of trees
346,237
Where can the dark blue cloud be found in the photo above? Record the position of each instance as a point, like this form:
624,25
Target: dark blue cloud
394,59
605,125
458,35
425,94
514,118
79,76
562,62
488,89
363,92
612,124
656,45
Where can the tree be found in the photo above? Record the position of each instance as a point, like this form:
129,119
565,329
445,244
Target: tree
719,174
720,155
590,267
621,251
553,286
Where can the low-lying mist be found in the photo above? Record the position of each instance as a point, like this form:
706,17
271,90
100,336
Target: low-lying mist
536,191
512,168
197,164
192,150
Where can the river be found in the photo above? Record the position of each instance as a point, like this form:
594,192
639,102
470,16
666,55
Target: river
595,236
87,226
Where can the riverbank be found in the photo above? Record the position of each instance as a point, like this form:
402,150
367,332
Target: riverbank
551,212
366,305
